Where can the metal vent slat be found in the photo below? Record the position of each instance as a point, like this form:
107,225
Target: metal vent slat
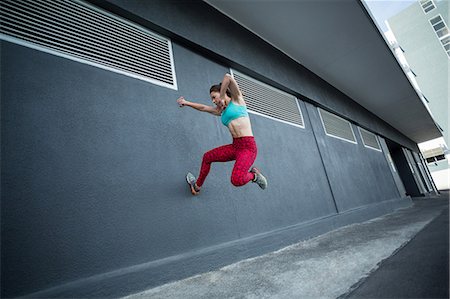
427,5
82,41
91,15
292,118
85,28
269,101
60,17
77,29
37,32
253,103
369,139
93,55
74,39
268,97
122,25
256,87
87,16
77,54
336,126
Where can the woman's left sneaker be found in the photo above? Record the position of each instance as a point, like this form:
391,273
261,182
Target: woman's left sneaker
190,178
259,178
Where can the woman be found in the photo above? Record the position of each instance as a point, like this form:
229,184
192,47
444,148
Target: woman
230,105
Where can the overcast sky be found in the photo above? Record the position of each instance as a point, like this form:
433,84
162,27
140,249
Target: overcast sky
384,9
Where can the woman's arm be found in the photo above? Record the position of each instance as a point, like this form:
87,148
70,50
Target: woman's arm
200,107
229,82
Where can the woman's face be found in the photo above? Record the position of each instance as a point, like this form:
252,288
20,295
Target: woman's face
215,98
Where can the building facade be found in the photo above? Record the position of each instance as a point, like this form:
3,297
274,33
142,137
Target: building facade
422,32
95,149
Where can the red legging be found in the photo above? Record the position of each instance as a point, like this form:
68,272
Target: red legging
243,150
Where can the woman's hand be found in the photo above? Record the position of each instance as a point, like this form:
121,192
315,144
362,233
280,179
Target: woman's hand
181,101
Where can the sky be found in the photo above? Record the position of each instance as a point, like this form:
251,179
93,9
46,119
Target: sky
384,9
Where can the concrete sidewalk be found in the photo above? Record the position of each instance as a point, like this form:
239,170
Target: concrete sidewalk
328,266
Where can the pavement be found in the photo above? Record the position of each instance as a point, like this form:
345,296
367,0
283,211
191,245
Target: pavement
419,270
404,254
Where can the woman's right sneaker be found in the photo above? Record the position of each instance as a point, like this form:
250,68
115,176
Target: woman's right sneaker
190,178
259,178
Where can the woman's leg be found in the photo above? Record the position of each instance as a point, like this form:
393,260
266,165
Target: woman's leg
244,160
223,153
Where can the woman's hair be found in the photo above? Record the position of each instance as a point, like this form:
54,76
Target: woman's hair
216,88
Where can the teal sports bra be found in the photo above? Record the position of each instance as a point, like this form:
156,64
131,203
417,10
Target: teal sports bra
232,112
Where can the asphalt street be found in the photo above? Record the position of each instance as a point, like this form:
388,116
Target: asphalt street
418,270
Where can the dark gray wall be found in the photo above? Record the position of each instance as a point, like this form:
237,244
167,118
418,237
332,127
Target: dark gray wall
356,173
203,27
93,167
94,163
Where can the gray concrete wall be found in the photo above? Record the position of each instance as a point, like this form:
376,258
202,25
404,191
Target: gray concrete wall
203,27
356,173
94,163
94,201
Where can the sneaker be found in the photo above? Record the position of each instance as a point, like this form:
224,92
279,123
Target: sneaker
259,178
190,178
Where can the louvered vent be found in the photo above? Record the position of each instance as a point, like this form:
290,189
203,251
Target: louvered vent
369,139
336,126
80,31
267,101
427,5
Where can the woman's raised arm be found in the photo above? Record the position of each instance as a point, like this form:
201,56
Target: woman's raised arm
200,107
229,82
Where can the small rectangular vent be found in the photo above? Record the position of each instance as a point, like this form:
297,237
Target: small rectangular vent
427,5
336,126
369,139
439,26
442,32
80,31
268,101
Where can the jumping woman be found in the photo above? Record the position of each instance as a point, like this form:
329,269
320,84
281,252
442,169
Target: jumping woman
230,105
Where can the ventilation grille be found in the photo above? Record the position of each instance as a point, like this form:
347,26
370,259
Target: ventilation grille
268,101
427,5
90,34
336,126
439,26
442,32
369,139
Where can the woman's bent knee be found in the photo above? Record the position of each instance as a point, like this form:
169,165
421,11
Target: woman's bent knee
237,181
207,158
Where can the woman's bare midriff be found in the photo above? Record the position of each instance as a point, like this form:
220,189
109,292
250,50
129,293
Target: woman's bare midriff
240,127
